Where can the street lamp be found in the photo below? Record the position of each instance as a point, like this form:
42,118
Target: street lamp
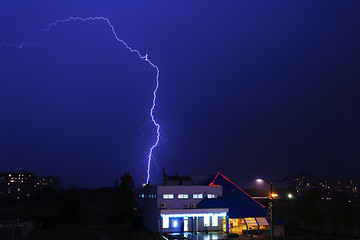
290,196
271,201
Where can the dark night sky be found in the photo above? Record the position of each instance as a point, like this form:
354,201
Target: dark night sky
247,88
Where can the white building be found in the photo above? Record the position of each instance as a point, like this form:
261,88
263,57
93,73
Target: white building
172,208
195,208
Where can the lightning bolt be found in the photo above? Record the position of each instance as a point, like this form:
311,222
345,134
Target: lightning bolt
143,57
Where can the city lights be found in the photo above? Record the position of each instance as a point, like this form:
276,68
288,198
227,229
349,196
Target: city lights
274,195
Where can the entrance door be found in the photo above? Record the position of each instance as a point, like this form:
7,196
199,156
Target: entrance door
186,224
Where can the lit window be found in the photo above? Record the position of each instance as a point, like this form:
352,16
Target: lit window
206,221
198,195
168,196
183,196
165,222
211,195
175,224
142,195
214,221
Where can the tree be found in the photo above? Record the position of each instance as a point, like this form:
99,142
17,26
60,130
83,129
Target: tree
124,198
311,208
46,196
340,209
73,209
71,205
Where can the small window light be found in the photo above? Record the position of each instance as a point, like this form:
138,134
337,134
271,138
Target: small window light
168,196
182,196
211,195
199,195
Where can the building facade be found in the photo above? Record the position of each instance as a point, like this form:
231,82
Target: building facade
326,187
23,185
204,207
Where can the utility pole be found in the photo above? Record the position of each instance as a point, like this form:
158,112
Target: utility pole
271,204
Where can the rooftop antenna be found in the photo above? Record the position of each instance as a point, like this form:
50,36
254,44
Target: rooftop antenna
143,182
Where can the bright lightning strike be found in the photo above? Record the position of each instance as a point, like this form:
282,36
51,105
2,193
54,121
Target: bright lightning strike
144,57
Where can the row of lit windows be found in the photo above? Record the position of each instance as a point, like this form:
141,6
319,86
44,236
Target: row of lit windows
175,224
38,183
20,175
179,196
185,196
152,196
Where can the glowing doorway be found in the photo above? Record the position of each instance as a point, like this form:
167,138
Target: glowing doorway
186,224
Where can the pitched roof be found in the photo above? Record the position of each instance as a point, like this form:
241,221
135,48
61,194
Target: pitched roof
239,203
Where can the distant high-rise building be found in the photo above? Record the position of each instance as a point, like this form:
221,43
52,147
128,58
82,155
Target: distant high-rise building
328,188
49,181
23,185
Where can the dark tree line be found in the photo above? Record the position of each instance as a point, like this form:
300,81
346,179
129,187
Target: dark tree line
123,202
101,207
314,210
124,198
